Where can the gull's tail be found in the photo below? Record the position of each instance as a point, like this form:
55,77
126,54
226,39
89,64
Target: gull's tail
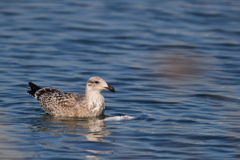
33,90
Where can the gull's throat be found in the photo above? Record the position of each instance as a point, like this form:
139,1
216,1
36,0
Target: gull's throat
95,102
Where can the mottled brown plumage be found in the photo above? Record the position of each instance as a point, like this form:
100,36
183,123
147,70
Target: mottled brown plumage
58,103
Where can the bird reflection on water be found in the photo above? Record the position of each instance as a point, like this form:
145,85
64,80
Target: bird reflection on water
91,128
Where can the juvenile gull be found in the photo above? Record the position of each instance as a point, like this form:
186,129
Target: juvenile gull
59,103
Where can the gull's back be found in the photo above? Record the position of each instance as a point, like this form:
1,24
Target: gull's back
58,103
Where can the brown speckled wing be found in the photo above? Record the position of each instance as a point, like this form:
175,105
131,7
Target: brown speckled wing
54,101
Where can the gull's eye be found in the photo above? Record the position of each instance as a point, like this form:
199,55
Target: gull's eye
96,82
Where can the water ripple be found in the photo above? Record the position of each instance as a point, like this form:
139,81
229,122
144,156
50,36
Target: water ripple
174,64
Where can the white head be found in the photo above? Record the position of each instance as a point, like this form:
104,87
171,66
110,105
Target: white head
97,84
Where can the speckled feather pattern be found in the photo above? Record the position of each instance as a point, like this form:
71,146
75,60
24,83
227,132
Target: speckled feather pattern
59,103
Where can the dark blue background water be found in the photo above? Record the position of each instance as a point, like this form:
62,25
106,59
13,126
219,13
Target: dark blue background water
175,66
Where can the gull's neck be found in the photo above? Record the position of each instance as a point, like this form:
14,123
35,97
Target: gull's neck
95,101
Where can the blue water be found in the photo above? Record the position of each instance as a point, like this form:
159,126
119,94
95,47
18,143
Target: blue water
174,64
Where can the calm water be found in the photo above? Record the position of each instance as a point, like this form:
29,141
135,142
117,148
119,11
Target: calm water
175,66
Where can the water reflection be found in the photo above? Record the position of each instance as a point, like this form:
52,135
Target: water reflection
91,128
177,65
9,148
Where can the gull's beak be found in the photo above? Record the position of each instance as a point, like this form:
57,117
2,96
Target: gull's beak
110,89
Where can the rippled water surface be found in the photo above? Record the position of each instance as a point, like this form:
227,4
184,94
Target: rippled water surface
175,66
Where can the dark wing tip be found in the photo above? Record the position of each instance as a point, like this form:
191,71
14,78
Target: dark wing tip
34,89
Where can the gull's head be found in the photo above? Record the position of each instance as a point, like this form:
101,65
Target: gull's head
98,84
